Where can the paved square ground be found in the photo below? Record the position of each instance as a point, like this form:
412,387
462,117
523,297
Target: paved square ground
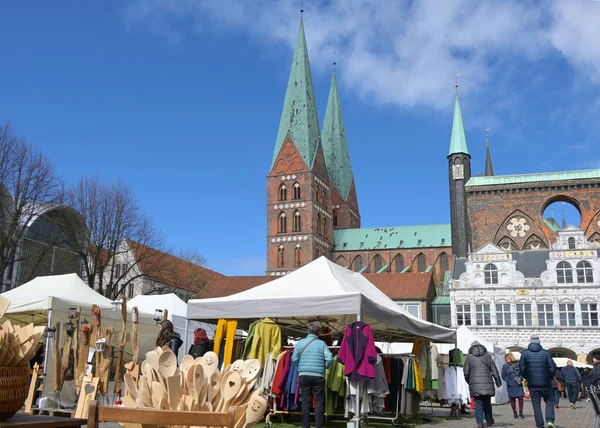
580,417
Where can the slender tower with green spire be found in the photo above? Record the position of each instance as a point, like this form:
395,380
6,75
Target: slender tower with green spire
459,170
489,167
337,159
299,190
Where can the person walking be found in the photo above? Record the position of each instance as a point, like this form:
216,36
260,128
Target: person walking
168,337
514,384
481,373
312,357
201,345
596,371
538,368
586,382
572,382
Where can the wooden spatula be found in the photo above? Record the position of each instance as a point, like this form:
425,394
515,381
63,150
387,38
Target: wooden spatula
174,391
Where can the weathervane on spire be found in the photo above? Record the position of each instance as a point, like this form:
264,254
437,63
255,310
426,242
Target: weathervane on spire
301,6
456,84
487,131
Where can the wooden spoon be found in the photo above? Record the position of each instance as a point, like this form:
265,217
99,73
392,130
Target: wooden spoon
152,359
131,388
186,363
158,392
145,398
251,370
198,379
164,404
167,364
230,387
196,400
255,411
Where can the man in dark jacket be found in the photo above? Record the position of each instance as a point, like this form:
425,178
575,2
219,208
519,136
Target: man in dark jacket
596,371
538,368
481,373
572,382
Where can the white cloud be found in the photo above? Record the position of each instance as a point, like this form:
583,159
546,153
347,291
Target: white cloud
403,54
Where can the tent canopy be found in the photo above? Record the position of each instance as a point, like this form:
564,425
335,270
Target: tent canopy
31,301
149,303
326,291
464,338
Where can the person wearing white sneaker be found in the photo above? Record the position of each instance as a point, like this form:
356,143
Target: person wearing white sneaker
572,382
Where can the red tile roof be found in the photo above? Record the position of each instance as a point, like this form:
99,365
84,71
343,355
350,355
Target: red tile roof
171,270
408,285
227,285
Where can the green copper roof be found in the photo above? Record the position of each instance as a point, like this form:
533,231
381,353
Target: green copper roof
530,178
552,224
458,141
299,115
387,238
335,146
441,300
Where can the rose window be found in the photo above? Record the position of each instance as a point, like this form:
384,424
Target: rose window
518,227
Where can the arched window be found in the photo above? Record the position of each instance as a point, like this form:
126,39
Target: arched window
399,263
323,197
282,223
324,226
298,255
564,273
490,272
377,263
297,222
421,263
319,220
571,242
443,262
318,193
282,193
334,218
280,257
296,191
317,252
585,272
358,263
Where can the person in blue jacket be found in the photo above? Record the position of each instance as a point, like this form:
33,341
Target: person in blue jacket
538,368
312,357
514,384
572,382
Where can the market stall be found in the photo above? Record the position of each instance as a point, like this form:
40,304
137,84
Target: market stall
47,300
320,291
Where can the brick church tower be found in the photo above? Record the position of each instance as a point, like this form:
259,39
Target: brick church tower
299,190
459,170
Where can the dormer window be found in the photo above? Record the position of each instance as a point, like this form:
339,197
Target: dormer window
585,272
490,272
571,242
564,273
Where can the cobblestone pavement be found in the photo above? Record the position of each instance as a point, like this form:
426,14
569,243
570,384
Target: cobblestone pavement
580,417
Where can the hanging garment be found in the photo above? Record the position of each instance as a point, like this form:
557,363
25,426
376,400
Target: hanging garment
266,375
224,349
280,372
249,339
357,352
419,385
267,338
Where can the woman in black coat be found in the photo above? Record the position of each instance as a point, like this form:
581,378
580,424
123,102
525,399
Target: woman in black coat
514,383
169,337
481,374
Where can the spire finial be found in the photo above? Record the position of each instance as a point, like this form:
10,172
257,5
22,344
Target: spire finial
456,84
301,7
487,132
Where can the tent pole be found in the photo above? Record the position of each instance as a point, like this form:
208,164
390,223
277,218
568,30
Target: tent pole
357,413
47,349
187,330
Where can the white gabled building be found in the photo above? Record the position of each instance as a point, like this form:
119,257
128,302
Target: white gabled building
506,296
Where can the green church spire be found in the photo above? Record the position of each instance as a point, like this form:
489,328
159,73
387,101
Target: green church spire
458,141
489,167
299,115
335,146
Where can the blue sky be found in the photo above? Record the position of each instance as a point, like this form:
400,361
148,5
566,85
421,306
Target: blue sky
182,99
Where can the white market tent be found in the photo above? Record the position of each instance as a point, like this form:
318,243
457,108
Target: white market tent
177,309
47,299
326,291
